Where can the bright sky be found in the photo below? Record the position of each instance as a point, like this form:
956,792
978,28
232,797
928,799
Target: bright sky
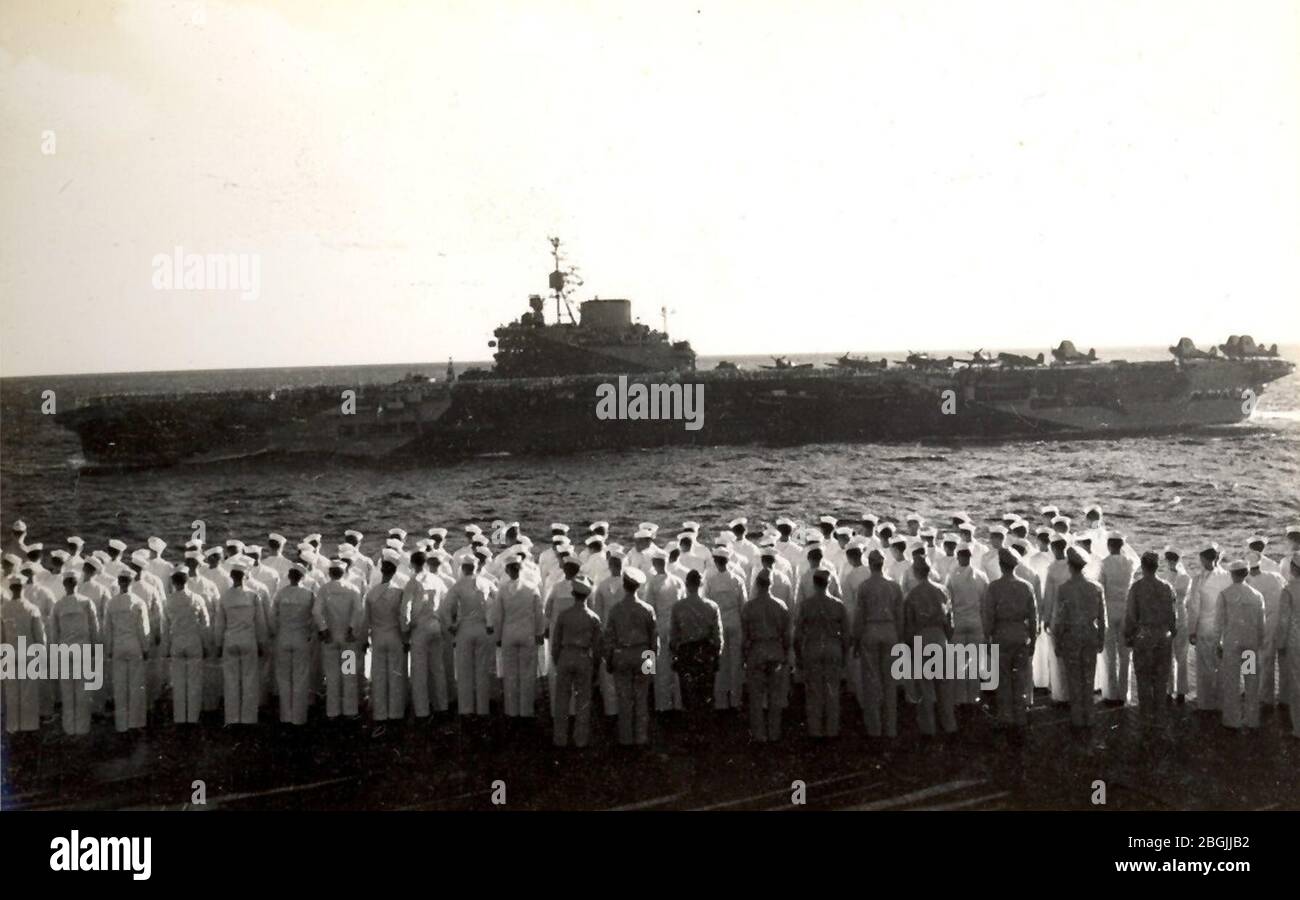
784,176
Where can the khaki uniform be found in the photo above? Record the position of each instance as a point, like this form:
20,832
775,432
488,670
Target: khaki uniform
821,638
576,642
1079,631
1011,620
1150,623
927,614
630,640
765,630
876,629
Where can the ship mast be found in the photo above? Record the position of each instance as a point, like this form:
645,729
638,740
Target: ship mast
559,283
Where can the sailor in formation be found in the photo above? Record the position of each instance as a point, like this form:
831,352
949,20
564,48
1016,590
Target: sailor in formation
741,623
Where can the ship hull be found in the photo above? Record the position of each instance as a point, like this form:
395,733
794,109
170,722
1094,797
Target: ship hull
777,408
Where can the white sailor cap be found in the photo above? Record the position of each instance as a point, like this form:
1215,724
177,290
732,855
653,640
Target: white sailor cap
559,528
649,526
1010,517
1238,565
212,552
13,560
19,526
479,540
236,545
1292,529
347,551
36,546
887,525
898,540
687,536
1210,548
768,550
856,544
236,566
950,538
915,517
1050,510
29,569
1042,530
180,570
1021,544
339,564
594,539
1060,520
721,552
738,521
296,567
156,544
644,535
870,518
998,530
100,555
14,581
471,528
140,558
843,531
437,532
277,538
813,539
253,549
564,549
961,516
60,554
391,555
1058,539
1116,536
94,564
581,586
929,532
193,554
1075,557
353,533
614,552
76,541
602,524
968,527
393,544
1094,508
691,526
784,520
559,539
635,575
399,533
313,538
828,520
1257,539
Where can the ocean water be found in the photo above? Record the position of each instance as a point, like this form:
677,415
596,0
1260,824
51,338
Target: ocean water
1178,489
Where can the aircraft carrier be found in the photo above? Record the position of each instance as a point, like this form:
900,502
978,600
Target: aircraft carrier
542,397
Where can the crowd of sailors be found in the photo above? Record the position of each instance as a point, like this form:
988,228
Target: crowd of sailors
683,623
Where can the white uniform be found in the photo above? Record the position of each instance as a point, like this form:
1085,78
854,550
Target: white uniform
1202,625
1269,585
1239,623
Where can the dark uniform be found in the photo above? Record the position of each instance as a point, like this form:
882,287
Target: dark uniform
821,640
575,645
630,640
1079,632
765,627
1149,627
876,629
695,641
1011,622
